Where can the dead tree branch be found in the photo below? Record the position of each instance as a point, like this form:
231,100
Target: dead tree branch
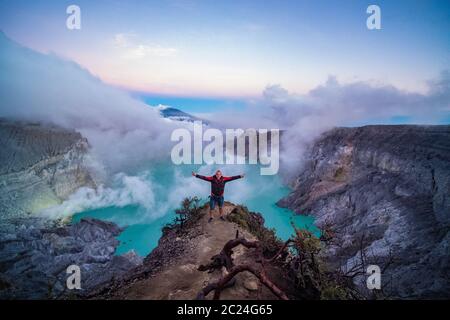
218,286
224,259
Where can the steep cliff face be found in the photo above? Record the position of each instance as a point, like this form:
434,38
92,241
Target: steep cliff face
39,166
386,190
35,254
171,270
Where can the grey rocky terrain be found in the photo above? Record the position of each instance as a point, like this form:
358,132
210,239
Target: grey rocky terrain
41,165
34,256
385,191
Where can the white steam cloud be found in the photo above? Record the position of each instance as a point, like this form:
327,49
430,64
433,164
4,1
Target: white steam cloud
304,117
126,135
125,191
123,131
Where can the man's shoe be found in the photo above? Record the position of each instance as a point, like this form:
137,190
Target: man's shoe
222,218
210,219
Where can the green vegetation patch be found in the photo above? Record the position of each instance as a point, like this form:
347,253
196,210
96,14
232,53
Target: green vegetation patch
254,223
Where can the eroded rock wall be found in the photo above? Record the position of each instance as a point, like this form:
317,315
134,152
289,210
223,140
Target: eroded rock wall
385,189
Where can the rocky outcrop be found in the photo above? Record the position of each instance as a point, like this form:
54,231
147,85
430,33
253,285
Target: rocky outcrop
39,167
171,270
34,257
384,190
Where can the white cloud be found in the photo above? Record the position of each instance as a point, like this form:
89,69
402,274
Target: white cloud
124,40
124,132
125,191
133,48
142,51
333,104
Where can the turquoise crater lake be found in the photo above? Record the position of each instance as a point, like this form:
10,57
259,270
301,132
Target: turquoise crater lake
170,184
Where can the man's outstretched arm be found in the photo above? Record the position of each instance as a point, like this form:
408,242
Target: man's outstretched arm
226,179
201,177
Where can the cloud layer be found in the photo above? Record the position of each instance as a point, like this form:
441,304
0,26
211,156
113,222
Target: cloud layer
124,132
134,49
304,117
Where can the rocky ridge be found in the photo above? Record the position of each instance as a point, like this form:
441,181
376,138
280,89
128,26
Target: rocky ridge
384,190
171,272
41,165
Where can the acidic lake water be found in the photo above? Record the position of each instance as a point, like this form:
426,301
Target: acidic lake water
170,184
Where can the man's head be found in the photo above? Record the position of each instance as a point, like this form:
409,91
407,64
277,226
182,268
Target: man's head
218,174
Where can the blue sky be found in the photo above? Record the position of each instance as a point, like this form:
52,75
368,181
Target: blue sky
195,105
217,53
236,48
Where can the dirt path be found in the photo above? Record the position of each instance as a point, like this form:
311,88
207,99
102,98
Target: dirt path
182,280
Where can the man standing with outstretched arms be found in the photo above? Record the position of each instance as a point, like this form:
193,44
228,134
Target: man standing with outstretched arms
217,190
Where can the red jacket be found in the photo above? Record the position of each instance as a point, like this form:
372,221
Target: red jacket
217,185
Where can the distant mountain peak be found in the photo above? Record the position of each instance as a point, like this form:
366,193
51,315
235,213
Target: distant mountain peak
177,115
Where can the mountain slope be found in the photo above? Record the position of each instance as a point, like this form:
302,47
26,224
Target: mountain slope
40,165
384,189
170,271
